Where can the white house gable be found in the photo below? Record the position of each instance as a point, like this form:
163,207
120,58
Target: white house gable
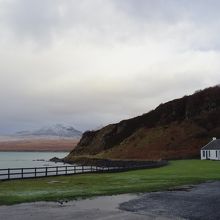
211,151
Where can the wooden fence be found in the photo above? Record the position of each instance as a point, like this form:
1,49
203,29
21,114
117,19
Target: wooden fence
36,172
22,173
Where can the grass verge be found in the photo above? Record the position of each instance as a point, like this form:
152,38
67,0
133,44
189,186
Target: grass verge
177,173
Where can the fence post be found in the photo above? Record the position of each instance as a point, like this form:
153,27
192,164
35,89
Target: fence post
66,170
82,169
56,171
46,171
22,173
8,173
35,172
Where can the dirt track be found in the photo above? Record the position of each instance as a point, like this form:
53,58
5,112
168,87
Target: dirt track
200,202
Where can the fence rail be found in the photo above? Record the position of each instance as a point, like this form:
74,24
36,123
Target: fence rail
35,172
22,173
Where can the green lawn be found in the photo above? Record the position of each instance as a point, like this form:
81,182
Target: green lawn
71,187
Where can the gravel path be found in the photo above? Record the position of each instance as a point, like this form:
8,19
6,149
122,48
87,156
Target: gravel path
200,202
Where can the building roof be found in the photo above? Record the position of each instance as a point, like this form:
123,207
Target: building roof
213,145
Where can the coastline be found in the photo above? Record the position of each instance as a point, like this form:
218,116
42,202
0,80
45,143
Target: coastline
27,159
102,162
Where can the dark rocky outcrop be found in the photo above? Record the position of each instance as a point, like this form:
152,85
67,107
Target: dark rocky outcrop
56,160
85,161
176,129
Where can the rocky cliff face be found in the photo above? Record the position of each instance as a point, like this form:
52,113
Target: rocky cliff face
176,129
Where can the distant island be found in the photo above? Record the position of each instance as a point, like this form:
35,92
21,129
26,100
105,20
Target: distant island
49,138
174,130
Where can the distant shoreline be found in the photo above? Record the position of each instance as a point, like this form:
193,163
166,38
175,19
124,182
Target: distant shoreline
38,145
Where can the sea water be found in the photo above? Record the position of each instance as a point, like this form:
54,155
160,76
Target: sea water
29,159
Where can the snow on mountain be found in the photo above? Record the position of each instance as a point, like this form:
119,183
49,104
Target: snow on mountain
57,130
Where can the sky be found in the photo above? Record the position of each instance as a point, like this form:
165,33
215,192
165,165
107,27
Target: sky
88,63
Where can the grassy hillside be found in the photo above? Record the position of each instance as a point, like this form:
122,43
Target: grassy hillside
176,129
179,140
177,173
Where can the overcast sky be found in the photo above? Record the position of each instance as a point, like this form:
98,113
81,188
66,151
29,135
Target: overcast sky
88,63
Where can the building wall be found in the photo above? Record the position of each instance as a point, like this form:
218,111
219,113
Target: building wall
210,155
202,155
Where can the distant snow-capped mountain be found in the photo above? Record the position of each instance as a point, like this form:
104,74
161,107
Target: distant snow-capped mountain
57,130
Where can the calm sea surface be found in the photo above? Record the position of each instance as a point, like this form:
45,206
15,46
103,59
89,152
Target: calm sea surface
29,159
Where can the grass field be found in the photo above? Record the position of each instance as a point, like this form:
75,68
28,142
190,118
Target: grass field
177,173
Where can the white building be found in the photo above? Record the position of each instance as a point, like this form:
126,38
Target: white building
211,151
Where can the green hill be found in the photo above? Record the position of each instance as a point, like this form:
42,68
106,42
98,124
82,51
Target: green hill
176,129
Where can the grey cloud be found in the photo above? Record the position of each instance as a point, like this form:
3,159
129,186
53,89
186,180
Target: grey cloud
45,22
34,21
90,63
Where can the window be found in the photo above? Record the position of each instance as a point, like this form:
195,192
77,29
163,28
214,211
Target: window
203,153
